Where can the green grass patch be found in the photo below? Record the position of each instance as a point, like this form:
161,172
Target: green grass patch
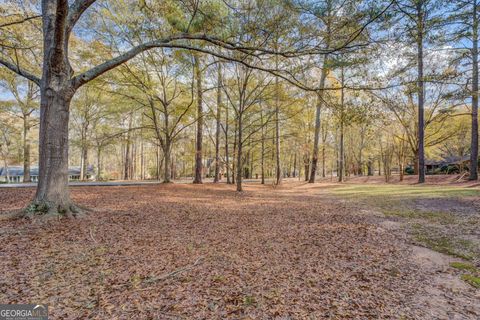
431,216
456,247
429,212
473,272
463,266
249,301
400,191
473,280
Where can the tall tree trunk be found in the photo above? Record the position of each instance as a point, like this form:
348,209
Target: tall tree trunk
99,163
250,158
306,164
157,173
421,93
227,159
474,138
5,165
167,155
239,153
262,161
323,161
400,165
83,175
294,173
360,157
26,149
234,172
370,167
142,161
56,91
199,141
316,138
81,163
262,151
217,132
278,165
341,162
133,163
126,169
52,194
173,167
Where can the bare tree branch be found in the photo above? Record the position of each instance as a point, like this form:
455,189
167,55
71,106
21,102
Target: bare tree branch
75,12
20,71
8,24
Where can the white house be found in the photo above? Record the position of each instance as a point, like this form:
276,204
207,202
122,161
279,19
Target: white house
14,174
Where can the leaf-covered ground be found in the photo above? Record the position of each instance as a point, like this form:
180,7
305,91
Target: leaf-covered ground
206,252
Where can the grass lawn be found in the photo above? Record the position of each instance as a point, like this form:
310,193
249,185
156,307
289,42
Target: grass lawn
443,218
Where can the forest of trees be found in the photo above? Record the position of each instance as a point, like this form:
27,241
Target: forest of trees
234,90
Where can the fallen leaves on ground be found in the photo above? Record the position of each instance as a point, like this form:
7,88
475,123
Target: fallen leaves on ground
206,252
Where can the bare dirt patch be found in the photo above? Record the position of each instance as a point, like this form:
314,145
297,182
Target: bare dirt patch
207,252
447,297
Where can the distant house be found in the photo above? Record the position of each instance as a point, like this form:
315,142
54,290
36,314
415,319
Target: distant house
448,164
15,174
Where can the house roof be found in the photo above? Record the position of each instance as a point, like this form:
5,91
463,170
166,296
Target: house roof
447,160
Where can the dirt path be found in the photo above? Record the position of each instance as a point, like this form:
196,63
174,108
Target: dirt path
205,252
444,295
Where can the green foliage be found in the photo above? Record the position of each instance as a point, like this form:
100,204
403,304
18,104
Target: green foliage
450,169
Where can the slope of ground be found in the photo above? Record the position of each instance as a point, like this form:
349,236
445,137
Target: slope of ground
443,224
206,252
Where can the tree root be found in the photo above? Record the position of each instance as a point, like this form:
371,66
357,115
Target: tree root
48,210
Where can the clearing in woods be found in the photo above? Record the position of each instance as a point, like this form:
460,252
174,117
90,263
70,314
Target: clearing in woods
300,251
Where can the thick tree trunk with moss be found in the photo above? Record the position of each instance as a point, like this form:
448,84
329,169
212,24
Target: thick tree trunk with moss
52,194
56,92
